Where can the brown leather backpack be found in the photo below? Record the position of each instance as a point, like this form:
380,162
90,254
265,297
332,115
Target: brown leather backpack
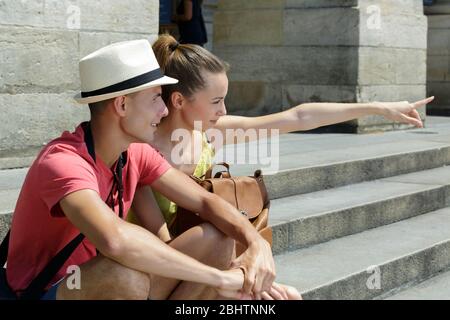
246,193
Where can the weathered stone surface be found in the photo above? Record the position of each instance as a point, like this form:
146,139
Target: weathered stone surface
439,21
38,60
438,73
394,7
272,4
91,41
305,65
296,94
24,13
321,27
385,93
336,26
439,41
441,7
233,29
41,43
34,119
140,16
438,68
389,66
253,98
394,30
345,51
209,9
388,6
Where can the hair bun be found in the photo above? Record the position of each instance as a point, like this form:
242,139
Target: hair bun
174,46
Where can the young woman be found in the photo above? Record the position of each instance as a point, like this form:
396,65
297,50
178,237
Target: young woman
199,97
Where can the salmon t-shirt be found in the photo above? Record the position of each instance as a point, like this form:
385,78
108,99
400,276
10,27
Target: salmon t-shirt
40,229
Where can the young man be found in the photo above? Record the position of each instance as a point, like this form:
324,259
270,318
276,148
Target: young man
81,184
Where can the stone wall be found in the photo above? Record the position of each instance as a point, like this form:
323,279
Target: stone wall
438,75
286,52
209,9
41,42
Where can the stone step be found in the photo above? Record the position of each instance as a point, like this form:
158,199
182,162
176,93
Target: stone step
349,267
10,184
309,163
304,220
307,219
313,162
12,179
435,288
12,159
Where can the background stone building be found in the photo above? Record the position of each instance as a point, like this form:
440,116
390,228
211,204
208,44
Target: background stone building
41,42
282,52
287,52
438,73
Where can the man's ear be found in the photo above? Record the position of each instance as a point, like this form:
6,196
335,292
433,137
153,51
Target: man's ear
119,105
177,100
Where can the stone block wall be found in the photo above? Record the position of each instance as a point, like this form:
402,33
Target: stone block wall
438,75
41,42
286,52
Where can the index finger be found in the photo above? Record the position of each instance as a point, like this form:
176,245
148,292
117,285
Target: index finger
423,102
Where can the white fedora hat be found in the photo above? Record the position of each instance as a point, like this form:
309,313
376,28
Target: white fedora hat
119,69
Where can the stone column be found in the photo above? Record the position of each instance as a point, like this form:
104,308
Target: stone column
286,52
438,75
40,45
209,8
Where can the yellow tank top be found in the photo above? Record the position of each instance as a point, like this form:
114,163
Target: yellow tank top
169,208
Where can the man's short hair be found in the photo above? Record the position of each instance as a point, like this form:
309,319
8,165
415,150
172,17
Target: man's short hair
98,107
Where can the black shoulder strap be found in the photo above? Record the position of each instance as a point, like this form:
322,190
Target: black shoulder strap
88,139
4,249
36,288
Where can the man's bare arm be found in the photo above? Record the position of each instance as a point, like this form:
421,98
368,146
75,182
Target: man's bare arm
257,259
135,247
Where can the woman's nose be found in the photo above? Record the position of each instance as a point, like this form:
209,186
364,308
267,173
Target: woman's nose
223,110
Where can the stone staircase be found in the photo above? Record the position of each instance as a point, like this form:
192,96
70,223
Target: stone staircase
354,216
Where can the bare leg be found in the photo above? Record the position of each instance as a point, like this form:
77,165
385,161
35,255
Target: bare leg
204,243
105,279
102,278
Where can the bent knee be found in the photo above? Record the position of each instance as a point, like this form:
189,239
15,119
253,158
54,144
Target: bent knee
212,234
125,283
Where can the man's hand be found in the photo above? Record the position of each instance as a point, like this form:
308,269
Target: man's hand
232,287
404,111
257,261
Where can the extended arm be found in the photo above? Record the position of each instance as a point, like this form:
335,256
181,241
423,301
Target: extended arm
313,115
